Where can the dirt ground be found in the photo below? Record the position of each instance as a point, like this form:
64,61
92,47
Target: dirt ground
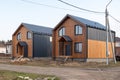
67,71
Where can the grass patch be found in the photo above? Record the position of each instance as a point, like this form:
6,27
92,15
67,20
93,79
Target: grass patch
12,75
74,64
91,64
51,63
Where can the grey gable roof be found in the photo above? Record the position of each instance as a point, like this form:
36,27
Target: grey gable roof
38,29
88,22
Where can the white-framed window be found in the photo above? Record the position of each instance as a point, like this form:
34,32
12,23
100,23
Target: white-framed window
78,47
78,29
62,31
19,36
29,35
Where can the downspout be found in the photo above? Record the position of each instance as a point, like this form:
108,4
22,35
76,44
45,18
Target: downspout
86,43
32,44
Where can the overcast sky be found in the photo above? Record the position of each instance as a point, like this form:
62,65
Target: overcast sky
14,12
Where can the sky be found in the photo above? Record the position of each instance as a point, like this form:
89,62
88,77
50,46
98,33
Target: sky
14,12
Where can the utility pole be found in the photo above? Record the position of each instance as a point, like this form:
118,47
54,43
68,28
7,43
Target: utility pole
108,33
106,23
111,40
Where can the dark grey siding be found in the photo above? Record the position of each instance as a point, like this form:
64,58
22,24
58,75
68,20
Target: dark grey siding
97,34
42,47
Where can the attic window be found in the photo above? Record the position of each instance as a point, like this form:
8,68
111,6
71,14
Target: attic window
62,31
78,30
19,36
29,35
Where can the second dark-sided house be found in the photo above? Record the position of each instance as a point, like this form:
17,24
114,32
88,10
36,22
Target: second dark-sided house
81,39
32,41
117,47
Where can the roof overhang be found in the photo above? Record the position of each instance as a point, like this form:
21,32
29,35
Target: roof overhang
22,43
65,38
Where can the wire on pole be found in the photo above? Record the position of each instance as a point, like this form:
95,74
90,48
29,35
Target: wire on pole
79,7
114,18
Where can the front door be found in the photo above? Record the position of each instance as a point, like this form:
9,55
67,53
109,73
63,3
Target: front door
68,50
22,49
25,51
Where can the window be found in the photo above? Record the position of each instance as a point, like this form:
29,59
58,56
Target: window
19,36
62,32
78,30
78,47
29,35
50,39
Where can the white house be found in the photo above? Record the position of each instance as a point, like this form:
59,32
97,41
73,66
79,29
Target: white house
3,49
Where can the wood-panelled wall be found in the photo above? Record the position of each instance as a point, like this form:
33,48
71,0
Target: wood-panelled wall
97,49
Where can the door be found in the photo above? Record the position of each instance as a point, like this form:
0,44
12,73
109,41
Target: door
25,50
68,50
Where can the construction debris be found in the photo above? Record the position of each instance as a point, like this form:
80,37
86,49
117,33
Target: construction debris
24,78
20,60
28,78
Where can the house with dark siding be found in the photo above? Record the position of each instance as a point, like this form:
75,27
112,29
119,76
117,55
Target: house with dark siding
117,48
32,41
80,39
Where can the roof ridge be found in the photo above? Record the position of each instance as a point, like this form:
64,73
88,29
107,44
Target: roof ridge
88,22
83,18
38,29
34,25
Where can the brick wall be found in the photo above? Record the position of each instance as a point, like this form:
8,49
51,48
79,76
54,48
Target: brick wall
23,32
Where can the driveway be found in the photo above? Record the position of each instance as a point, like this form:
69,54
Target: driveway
68,73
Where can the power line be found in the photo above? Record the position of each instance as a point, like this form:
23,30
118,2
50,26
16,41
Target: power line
114,18
79,7
89,10
35,3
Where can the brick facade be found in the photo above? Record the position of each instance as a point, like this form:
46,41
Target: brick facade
23,32
69,26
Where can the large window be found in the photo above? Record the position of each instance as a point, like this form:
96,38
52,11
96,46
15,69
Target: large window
62,31
19,36
78,47
78,30
29,35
